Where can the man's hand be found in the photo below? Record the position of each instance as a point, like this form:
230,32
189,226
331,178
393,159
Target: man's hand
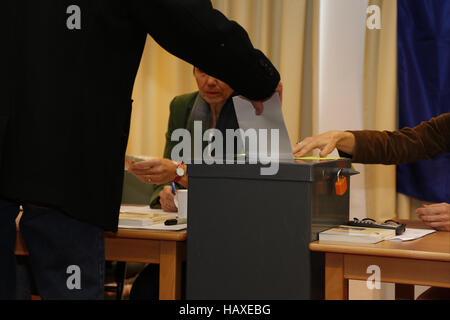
326,142
436,216
258,105
157,171
167,199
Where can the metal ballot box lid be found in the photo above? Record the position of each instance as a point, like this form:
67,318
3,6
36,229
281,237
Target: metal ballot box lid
248,234
309,170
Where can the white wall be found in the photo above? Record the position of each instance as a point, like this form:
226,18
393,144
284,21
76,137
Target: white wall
339,82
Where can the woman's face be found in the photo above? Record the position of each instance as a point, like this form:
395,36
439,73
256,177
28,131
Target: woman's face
212,90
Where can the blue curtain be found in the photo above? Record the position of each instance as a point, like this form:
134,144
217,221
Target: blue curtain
424,89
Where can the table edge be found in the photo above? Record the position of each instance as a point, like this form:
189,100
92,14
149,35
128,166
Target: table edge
335,247
147,235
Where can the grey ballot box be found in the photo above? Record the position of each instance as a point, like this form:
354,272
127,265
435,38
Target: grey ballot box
248,234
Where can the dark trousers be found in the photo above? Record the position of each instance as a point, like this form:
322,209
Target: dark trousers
67,256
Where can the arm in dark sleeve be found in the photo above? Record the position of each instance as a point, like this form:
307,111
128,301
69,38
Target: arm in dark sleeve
423,142
195,32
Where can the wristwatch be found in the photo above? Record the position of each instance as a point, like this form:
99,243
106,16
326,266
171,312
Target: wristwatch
180,172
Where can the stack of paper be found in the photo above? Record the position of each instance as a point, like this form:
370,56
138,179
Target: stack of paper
143,219
136,216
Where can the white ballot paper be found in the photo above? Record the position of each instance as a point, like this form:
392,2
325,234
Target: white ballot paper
412,234
273,139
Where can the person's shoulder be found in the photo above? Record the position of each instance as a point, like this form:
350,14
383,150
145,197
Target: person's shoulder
181,107
183,102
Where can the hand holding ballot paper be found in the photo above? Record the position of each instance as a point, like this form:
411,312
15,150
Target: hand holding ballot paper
268,139
259,105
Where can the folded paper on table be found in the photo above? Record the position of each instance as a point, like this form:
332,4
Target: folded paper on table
412,234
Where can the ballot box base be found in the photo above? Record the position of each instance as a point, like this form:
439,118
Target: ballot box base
249,235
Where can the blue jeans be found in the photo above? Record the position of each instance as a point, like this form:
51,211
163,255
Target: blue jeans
67,256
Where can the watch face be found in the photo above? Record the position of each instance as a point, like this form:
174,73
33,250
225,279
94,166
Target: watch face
180,171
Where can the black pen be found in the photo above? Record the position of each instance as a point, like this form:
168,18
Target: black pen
172,222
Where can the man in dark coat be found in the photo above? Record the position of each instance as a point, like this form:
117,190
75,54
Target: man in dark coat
65,113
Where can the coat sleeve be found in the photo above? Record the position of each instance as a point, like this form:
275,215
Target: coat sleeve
423,142
197,33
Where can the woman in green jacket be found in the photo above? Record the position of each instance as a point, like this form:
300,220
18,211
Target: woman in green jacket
213,106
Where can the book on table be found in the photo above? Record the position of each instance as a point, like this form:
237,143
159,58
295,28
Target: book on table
140,216
144,219
356,234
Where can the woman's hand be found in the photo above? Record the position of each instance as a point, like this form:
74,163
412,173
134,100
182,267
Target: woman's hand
167,200
326,142
435,215
157,171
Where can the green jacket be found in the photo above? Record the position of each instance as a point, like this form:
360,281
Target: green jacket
180,110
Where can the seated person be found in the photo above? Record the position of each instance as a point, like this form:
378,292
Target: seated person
425,141
212,105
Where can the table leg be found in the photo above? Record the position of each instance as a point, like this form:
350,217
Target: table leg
170,270
336,286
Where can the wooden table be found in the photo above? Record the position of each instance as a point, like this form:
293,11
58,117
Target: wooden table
424,261
166,248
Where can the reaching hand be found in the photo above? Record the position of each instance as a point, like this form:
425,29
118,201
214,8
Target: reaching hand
326,142
436,216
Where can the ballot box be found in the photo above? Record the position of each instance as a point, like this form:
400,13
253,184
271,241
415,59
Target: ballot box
248,233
